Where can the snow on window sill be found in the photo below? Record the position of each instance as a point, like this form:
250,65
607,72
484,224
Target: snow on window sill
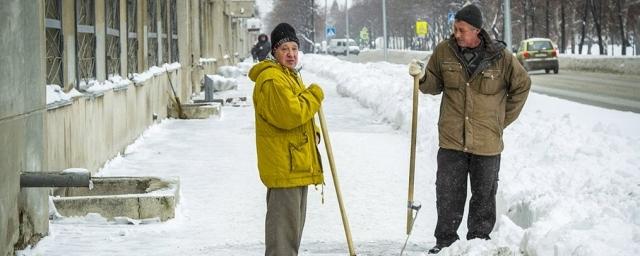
154,71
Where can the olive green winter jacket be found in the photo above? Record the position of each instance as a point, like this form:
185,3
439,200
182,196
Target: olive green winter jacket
285,128
475,109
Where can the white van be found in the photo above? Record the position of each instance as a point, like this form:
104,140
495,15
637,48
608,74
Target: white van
339,46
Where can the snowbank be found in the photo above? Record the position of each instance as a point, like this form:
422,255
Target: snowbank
601,64
570,172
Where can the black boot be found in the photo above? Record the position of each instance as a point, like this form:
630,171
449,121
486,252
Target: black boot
436,249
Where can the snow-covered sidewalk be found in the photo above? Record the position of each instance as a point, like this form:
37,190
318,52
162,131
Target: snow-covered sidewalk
569,182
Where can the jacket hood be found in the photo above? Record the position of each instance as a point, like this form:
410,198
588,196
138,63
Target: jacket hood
260,67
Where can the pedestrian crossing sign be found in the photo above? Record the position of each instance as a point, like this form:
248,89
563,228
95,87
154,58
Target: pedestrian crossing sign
331,31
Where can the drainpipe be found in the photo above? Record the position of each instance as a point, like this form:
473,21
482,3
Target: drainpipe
55,179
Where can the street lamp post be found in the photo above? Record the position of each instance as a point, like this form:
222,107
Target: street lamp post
346,7
384,28
507,23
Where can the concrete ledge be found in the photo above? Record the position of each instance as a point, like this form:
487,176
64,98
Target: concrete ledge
198,110
132,197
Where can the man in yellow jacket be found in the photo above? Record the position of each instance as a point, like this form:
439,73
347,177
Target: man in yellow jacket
286,139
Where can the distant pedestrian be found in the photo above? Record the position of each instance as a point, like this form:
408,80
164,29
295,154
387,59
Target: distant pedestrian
286,141
262,48
483,88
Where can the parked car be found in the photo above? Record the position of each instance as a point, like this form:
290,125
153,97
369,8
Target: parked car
538,54
339,46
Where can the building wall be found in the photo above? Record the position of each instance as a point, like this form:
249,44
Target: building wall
22,112
93,128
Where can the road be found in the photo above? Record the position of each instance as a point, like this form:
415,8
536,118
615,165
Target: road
621,92
614,91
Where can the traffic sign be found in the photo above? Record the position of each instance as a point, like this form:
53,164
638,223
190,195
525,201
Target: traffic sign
450,17
364,34
331,31
422,27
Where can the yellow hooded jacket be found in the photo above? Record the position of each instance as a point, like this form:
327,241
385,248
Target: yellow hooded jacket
285,128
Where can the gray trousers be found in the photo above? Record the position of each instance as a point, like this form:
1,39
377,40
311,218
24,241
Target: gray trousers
286,210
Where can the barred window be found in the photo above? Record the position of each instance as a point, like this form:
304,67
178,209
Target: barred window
53,31
201,27
174,31
132,37
152,35
113,37
164,23
86,40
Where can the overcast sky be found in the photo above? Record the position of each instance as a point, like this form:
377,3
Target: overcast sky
265,6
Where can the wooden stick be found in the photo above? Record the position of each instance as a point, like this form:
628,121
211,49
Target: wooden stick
327,144
412,159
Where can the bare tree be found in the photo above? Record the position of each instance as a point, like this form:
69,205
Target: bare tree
583,33
619,4
596,13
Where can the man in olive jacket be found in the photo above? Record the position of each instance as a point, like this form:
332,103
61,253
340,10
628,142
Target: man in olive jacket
286,139
483,91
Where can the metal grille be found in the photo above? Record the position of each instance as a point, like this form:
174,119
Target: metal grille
164,22
132,37
53,33
174,31
113,37
152,36
86,40
201,27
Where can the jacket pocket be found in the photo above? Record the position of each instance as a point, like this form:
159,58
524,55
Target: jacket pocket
300,156
451,74
492,82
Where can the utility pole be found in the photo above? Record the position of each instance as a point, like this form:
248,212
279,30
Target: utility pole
346,7
326,41
384,28
313,28
507,23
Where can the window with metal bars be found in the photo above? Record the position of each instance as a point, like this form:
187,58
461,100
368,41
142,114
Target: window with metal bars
164,23
201,27
112,10
132,37
85,40
54,45
152,35
174,31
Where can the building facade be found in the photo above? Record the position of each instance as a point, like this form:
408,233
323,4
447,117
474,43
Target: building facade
119,61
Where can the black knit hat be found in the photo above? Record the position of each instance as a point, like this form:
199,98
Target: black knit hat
281,34
471,14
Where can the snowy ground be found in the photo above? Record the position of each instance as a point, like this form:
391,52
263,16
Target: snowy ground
569,182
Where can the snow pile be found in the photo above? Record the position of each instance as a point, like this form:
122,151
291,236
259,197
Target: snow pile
172,66
220,83
230,71
96,87
627,65
570,173
375,85
245,66
155,71
55,95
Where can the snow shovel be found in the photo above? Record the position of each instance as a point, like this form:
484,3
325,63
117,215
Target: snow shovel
181,114
412,164
336,184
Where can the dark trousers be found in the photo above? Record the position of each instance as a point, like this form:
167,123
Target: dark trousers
286,211
451,194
